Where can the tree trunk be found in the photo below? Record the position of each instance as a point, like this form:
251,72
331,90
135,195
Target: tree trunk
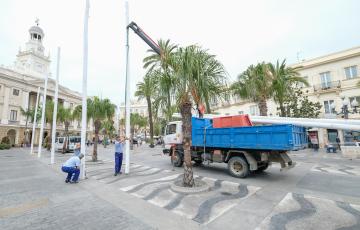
185,110
263,107
66,123
97,125
282,109
151,124
49,138
27,142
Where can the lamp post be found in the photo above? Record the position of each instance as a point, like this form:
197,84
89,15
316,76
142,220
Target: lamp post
345,107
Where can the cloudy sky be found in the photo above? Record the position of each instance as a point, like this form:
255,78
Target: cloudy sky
239,32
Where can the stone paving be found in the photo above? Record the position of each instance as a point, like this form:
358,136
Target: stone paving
321,192
298,211
32,196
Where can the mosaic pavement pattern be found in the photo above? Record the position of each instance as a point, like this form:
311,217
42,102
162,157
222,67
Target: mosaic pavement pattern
298,211
337,169
203,207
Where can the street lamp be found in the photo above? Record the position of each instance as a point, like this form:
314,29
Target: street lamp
345,107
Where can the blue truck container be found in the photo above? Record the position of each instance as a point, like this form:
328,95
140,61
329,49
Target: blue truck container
267,137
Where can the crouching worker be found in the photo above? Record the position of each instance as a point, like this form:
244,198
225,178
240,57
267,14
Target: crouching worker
72,168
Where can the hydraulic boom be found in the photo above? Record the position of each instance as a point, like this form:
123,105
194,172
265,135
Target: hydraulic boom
153,45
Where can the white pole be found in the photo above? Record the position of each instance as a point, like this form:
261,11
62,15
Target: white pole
84,89
127,94
34,122
52,161
43,116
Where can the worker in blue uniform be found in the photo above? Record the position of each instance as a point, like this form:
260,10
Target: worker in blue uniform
72,168
119,147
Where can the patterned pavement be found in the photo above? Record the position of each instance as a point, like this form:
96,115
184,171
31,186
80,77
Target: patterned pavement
340,169
298,211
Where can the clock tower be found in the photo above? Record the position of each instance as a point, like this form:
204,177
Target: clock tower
32,60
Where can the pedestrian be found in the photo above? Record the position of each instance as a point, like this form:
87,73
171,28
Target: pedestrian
119,146
338,143
77,149
72,168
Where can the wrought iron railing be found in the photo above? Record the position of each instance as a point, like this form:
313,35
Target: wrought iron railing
327,85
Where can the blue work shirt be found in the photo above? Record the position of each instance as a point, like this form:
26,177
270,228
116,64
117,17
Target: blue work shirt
72,162
119,147
77,152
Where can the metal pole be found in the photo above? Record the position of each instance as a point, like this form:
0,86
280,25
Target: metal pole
43,116
127,94
34,122
84,90
55,109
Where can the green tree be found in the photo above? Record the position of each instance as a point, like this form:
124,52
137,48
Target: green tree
28,114
160,65
189,84
99,110
284,79
108,130
147,90
298,104
256,84
65,116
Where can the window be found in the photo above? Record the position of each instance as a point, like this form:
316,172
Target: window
171,129
254,110
241,112
351,72
16,92
325,80
351,99
327,106
13,115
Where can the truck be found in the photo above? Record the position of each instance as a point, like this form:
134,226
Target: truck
244,149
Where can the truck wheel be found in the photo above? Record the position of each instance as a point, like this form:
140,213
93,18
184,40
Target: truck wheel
262,168
176,160
238,167
198,162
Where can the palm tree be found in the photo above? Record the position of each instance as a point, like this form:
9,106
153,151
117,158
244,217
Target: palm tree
147,90
65,116
255,84
99,110
28,113
190,73
284,79
161,66
49,110
108,130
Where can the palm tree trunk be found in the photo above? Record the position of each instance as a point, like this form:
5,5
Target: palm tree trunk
185,110
282,109
49,138
263,107
26,131
66,123
97,125
150,121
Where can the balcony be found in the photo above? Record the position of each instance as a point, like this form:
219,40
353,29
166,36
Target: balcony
327,86
14,122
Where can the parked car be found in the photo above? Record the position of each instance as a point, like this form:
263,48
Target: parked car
69,145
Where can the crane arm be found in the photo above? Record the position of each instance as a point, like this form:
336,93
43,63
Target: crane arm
153,45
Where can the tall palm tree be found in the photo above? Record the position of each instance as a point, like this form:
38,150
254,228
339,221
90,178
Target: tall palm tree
99,110
255,84
49,110
108,130
65,116
284,79
161,66
147,90
28,113
190,73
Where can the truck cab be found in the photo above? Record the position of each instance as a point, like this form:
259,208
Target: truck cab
172,135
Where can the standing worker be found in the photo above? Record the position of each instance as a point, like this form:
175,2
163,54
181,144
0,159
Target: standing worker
119,146
72,168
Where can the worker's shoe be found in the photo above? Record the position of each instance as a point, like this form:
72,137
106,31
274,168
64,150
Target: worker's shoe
115,174
67,181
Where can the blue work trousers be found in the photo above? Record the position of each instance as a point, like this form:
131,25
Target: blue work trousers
72,173
118,162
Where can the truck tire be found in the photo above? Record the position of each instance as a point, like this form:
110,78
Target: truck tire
238,167
198,162
178,160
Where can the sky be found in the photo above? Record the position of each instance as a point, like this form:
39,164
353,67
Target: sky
238,32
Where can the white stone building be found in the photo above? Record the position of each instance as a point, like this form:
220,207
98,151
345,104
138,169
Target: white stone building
332,79
18,89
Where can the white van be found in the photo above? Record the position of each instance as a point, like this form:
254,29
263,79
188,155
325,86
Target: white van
69,145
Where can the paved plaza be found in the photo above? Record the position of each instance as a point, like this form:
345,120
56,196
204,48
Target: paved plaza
321,192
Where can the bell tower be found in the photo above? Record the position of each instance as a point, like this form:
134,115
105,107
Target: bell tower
32,60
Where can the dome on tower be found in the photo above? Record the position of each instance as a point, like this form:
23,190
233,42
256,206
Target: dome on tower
36,30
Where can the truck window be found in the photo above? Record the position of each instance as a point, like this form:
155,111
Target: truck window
61,140
170,129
